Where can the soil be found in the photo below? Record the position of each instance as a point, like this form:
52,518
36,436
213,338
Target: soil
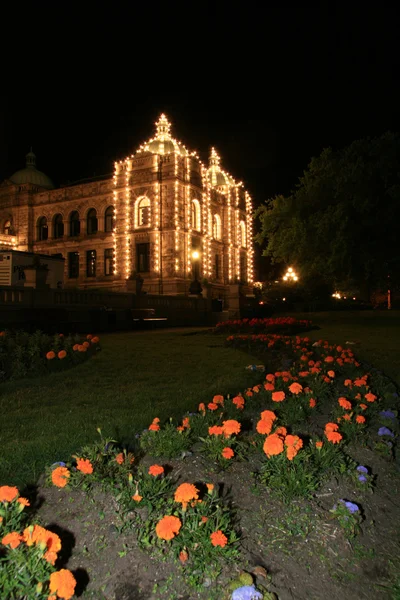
297,551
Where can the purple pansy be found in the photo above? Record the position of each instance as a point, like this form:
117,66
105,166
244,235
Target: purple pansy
385,431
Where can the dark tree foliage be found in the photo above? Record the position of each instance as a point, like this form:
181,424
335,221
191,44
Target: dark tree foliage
341,224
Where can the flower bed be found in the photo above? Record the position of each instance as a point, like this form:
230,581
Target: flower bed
282,325
317,435
23,354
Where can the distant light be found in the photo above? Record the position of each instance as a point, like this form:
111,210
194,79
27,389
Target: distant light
354,298
261,302
195,255
284,299
345,297
290,269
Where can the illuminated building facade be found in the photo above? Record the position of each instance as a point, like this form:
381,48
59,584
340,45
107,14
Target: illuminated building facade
164,215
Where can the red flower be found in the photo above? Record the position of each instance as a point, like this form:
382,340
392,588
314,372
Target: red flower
156,470
227,453
218,539
278,396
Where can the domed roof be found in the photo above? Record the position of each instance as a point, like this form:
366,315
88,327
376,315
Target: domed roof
31,174
163,143
216,175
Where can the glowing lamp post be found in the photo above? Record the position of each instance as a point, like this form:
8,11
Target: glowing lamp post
290,275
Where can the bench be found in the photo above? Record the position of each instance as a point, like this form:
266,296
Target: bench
146,315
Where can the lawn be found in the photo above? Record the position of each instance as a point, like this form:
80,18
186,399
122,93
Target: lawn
135,377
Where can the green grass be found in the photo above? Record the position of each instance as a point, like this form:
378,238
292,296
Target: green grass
136,377
376,333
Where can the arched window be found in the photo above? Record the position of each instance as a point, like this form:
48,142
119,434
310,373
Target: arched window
42,229
196,215
58,226
143,212
74,224
7,229
92,221
217,227
109,219
242,234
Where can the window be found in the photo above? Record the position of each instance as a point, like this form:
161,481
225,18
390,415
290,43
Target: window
73,265
217,227
109,219
143,216
92,221
196,215
108,261
243,266
217,267
91,263
42,229
242,234
143,258
7,229
58,226
74,224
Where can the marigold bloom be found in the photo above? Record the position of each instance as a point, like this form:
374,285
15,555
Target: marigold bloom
304,373
218,399
278,396
50,355
202,407
183,556
8,494
231,427
270,377
168,527
180,428
273,445
360,419
347,417
137,498
95,339
331,427
319,445
218,539
154,427
62,354
344,403
249,393
212,406
216,430
82,348
185,423
120,458
185,493
228,453
63,584
312,403
75,347
268,415
210,487
269,387
370,397
60,476
363,406
264,426
24,501
331,374
238,401
329,359
84,466
360,382
156,470
282,431
89,336
12,539
296,388
333,436
86,344
204,519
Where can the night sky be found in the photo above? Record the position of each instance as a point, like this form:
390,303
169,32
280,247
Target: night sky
269,87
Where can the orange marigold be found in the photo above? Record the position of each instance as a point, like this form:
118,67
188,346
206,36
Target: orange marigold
95,339
60,476
218,539
154,427
331,427
348,383
269,387
270,377
24,501
75,347
312,403
210,487
344,403
212,406
63,584
8,494
331,374
319,445
156,470
363,406
238,401
329,359
282,431
120,458
278,396
296,388
186,492
231,427
204,519
84,465
228,453
273,445
268,415
360,419
168,527
216,430
137,498
62,354
183,556
202,407
50,355
12,539
333,436
218,399
264,426
370,397
360,382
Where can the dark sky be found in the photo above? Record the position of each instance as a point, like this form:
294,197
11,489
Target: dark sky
269,87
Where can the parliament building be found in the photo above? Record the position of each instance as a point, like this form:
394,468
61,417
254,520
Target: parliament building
164,217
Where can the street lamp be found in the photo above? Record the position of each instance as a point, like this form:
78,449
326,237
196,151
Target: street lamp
195,286
290,275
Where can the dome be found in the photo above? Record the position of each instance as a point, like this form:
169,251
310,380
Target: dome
217,178
216,175
163,143
31,174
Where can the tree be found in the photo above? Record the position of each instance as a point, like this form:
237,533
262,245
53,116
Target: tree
340,225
